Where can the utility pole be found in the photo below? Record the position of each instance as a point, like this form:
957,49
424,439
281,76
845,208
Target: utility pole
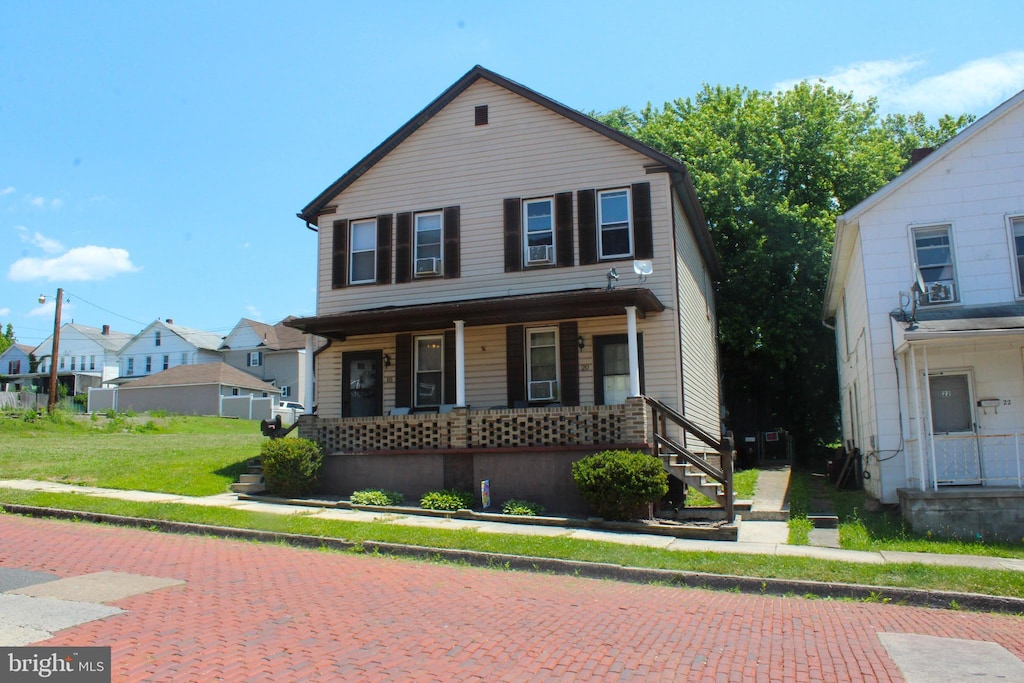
51,401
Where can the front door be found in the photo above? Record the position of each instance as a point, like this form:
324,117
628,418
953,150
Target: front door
361,383
957,460
611,369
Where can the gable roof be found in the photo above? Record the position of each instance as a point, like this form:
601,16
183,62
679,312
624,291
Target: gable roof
204,373
201,339
277,337
112,341
15,347
682,181
849,222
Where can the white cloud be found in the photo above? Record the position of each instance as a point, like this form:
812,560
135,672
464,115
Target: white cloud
80,263
900,85
4,312
42,202
254,312
43,310
50,246
6,191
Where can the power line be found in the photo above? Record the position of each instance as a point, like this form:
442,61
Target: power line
105,310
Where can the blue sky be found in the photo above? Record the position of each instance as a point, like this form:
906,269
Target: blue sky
153,155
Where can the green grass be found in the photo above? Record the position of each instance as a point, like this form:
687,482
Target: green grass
989,582
744,483
195,456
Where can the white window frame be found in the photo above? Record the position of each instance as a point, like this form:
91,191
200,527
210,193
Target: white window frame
235,391
602,225
254,359
1013,222
167,361
416,370
372,224
530,346
549,232
915,231
149,364
130,367
417,247
92,362
157,338
286,392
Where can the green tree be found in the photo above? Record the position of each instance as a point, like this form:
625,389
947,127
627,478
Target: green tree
773,170
7,339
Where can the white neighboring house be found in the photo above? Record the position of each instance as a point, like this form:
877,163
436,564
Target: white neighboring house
273,353
15,363
926,294
164,345
84,351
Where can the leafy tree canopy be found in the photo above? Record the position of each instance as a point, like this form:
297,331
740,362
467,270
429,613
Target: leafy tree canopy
7,339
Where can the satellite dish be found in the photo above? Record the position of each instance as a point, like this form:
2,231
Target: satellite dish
643,268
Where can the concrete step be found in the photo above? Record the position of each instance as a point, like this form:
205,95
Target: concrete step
251,478
248,488
824,520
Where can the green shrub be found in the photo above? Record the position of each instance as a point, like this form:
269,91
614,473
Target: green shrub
291,467
618,483
448,499
376,497
522,507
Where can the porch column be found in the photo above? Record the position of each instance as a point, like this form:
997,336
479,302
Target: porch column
928,412
634,351
460,363
308,395
918,419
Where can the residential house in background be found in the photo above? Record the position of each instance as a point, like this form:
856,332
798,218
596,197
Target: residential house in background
86,356
501,282
163,345
16,367
275,354
926,294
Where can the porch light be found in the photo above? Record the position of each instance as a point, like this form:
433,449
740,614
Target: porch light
579,340
613,275
387,360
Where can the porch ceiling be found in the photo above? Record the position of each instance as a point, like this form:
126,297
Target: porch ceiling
524,308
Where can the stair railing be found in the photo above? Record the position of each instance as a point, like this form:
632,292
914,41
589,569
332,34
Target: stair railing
662,415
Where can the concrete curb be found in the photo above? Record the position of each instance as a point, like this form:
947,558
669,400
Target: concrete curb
723,582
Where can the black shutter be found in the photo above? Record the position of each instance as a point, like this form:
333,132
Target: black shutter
563,228
403,247
339,255
586,210
384,249
569,357
448,395
643,231
403,370
513,235
515,364
451,241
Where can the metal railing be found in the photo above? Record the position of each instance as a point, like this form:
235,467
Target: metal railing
981,460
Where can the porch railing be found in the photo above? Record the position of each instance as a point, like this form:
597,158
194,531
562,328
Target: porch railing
982,460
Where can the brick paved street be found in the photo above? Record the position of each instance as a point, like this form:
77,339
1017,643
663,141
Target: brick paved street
266,612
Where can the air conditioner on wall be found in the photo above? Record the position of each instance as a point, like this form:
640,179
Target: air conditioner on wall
541,253
543,390
427,266
941,292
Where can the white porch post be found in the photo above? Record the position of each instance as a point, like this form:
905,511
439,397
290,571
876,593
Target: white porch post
308,393
634,351
460,363
931,433
919,418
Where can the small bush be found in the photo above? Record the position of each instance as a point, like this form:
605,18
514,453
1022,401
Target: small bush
522,507
617,483
376,497
291,467
448,499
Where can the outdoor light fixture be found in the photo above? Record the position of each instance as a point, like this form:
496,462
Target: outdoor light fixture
579,340
387,360
613,275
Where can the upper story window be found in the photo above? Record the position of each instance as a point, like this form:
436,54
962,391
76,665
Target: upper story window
933,254
538,232
1017,233
427,249
254,359
62,363
615,235
92,362
14,367
130,370
429,374
167,362
542,364
149,364
156,338
363,256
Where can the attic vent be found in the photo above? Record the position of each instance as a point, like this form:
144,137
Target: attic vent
480,115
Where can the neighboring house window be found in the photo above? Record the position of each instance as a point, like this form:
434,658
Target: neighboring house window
157,337
167,362
184,358
131,367
542,364
149,364
538,232
1017,226
14,367
933,249
72,363
615,237
427,248
62,363
254,359
286,392
234,391
429,371
92,362
363,265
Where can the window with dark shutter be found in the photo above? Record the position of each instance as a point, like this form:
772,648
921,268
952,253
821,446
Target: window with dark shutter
586,211
451,242
403,247
563,229
513,235
403,371
339,260
643,230
515,364
384,249
569,360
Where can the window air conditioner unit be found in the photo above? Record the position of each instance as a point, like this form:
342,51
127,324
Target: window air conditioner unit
542,253
941,292
543,390
427,266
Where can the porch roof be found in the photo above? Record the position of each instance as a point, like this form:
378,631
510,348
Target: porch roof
523,308
981,321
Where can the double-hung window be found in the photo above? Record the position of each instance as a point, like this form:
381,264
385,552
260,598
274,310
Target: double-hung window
615,234
542,363
130,370
1017,231
429,374
539,232
933,249
428,244
149,364
167,362
254,359
363,256
156,338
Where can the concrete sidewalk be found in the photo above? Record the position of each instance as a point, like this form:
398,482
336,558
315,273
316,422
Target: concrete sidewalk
755,537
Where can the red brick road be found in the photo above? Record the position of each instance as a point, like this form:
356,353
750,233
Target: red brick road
267,612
